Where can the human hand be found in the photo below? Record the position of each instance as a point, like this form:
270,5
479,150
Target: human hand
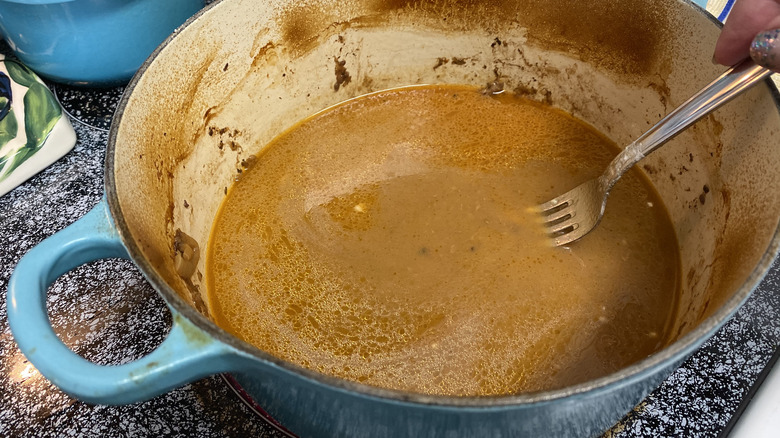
752,29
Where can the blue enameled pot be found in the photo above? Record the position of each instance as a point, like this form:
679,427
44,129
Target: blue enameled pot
242,71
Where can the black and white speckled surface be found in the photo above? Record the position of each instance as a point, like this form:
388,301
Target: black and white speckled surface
109,314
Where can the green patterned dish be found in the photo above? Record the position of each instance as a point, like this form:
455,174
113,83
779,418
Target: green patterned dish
33,131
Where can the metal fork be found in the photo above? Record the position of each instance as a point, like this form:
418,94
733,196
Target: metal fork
575,213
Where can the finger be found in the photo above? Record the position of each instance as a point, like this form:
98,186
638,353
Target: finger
765,49
747,18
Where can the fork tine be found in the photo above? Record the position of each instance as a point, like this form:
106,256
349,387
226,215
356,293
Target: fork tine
569,210
568,217
568,223
569,237
565,198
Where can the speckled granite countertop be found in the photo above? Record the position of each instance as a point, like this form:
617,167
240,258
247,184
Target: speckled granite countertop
109,314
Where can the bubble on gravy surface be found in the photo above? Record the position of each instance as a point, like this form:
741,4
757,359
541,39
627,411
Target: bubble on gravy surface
388,240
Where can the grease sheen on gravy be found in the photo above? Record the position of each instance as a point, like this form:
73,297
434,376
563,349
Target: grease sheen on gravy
388,240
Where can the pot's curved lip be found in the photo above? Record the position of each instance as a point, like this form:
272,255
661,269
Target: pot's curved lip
626,376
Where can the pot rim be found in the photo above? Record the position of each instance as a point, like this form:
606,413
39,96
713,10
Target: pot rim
670,355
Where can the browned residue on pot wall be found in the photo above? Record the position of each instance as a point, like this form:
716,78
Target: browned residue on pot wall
242,72
623,36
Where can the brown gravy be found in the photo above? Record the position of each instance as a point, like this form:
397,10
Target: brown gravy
388,240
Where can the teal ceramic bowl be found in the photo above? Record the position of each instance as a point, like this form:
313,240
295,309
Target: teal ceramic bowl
90,42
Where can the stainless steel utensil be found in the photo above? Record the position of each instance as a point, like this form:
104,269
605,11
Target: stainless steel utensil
575,213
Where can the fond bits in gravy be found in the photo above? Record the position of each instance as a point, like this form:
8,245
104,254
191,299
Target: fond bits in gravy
388,240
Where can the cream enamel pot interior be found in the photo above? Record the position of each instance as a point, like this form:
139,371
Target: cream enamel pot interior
243,71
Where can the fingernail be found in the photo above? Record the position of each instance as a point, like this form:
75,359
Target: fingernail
765,49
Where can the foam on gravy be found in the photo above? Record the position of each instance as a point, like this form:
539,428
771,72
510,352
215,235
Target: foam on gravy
388,241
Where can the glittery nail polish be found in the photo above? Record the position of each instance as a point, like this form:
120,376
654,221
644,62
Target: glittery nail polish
765,49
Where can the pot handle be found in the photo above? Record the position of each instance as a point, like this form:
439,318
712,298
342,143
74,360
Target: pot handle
186,354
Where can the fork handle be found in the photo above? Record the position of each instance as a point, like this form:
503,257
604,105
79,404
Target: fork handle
731,83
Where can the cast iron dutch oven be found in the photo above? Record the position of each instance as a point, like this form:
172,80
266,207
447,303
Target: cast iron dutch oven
243,71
